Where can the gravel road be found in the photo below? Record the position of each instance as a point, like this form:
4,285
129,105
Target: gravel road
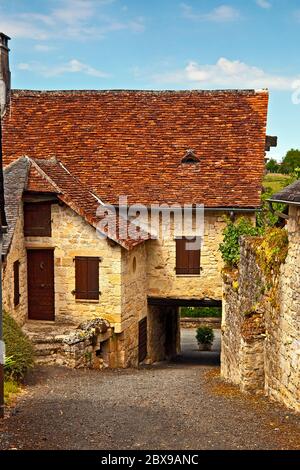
180,405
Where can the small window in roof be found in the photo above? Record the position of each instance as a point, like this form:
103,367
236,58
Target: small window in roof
190,158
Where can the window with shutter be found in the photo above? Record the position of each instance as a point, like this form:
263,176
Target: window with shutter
16,268
37,219
87,278
187,260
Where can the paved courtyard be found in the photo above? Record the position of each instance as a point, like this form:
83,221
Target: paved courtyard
179,405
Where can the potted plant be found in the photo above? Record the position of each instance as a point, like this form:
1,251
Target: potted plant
205,337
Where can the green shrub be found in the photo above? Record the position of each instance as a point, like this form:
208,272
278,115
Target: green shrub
19,351
10,388
205,335
230,247
201,312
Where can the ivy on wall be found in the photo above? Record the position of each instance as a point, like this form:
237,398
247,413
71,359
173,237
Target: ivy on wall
230,248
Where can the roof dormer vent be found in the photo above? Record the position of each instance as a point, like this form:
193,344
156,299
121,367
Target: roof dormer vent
190,158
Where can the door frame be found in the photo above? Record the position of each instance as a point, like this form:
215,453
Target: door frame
51,250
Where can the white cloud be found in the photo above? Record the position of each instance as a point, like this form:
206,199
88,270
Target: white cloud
221,14
73,19
73,66
43,47
228,74
264,4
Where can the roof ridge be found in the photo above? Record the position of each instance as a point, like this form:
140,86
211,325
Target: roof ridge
150,91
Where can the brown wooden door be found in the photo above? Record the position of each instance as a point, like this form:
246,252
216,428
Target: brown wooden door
143,339
40,266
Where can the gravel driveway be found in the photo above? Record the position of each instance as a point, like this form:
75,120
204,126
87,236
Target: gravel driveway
182,405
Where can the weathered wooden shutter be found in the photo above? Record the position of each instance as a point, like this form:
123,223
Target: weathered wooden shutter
16,268
37,219
87,278
181,257
187,261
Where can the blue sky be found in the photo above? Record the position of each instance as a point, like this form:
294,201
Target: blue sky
161,44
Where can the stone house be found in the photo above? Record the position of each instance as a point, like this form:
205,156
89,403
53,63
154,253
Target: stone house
69,153
262,352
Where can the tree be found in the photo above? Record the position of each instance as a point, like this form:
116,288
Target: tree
273,166
291,161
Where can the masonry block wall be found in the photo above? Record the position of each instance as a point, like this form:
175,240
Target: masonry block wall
261,352
72,236
162,278
17,252
282,358
133,302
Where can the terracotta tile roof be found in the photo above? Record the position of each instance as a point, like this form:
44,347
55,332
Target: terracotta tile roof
78,197
38,182
15,178
290,194
132,142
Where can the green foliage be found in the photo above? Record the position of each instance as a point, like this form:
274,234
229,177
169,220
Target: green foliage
275,182
272,251
9,363
19,350
273,166
205,335
230,248
266,217
10,388
291,161
201,312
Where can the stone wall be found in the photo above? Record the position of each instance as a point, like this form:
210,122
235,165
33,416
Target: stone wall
163,333
261,343
282,358
133,303
72,236
212,322
17,252
162,278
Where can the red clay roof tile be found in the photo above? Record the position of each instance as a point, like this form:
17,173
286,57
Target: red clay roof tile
132,142
79,198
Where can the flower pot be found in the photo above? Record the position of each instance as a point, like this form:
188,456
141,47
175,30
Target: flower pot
204,346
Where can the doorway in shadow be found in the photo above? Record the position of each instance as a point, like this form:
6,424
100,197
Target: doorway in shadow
190,353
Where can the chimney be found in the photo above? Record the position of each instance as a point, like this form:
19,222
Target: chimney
4,72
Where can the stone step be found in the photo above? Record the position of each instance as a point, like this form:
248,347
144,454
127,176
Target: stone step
45,348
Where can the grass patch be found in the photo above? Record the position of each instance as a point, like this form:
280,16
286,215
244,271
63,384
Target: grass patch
11,388
201,312
276,182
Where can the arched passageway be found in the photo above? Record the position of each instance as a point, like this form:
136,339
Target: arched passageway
168,340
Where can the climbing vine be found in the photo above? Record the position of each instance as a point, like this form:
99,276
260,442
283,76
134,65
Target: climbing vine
230,248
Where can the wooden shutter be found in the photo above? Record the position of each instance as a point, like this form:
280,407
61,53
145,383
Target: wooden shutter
37,219
187,261
16,268
87,278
